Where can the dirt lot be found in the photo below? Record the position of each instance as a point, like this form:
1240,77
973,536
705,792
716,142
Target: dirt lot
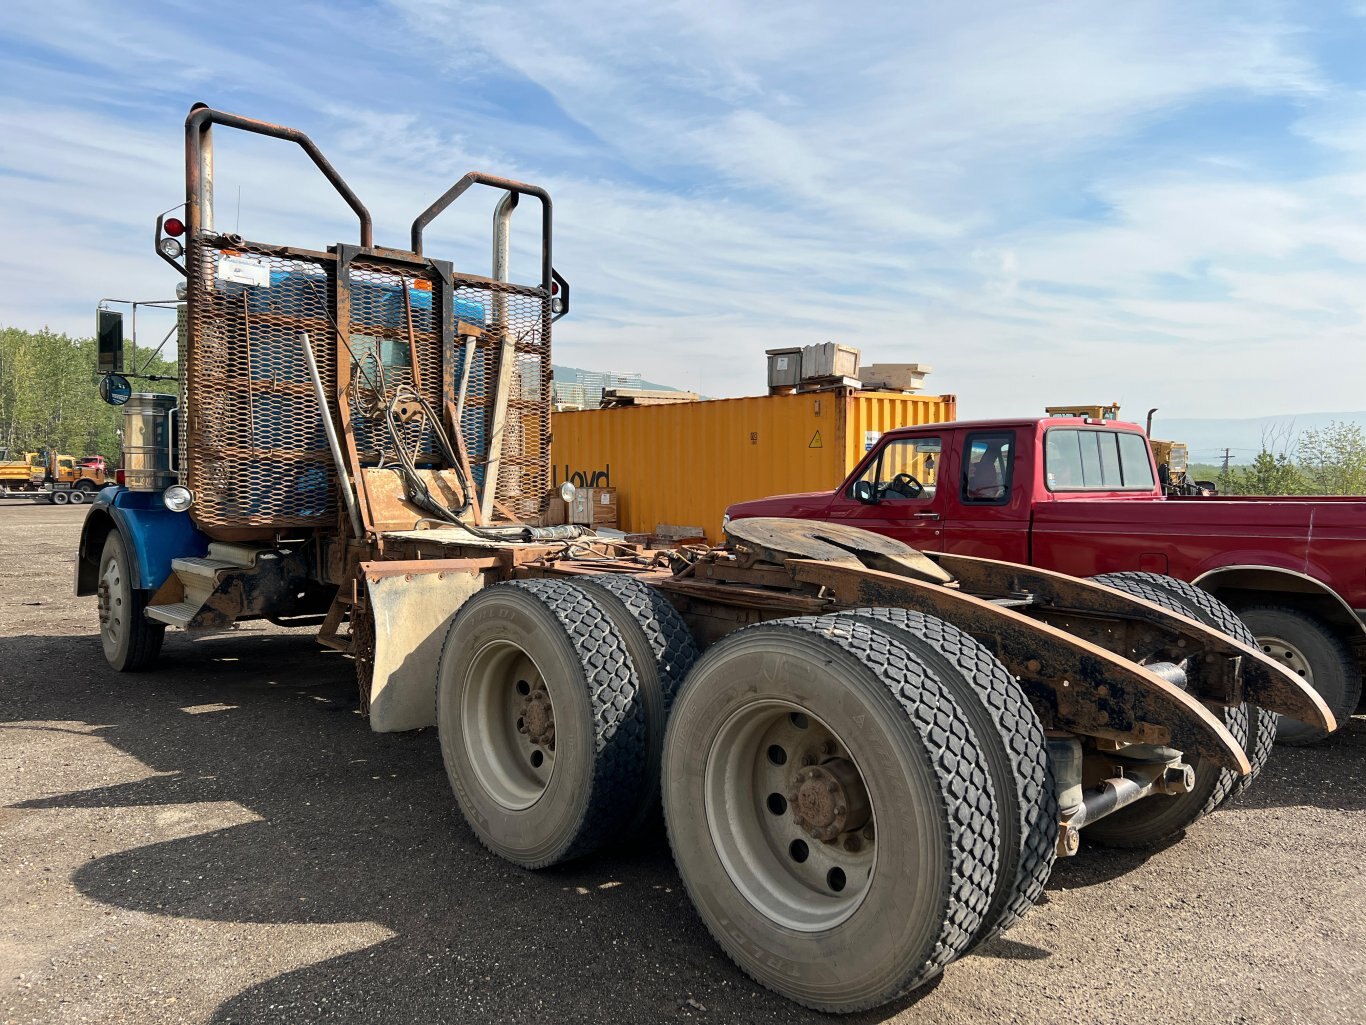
223,840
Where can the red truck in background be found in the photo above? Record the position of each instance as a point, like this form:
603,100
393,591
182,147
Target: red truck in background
1081,496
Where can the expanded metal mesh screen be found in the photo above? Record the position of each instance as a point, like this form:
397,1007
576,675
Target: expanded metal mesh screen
255,451
522,317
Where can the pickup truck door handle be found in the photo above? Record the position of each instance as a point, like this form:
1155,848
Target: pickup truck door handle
927,516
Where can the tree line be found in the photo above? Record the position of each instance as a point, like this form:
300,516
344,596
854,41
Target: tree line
1324,461
49,395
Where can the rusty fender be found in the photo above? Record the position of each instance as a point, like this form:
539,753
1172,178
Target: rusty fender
412,601
1077,685
1227,671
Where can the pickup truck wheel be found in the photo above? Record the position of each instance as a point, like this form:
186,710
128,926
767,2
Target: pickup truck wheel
1262,724
1156,819
1308,646
130,640
1016,751
662,650
830,811
539,715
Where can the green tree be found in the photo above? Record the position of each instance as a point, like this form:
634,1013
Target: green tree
49,395
1332,460
1271,473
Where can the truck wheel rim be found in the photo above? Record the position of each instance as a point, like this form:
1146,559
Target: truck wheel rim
111,599
790,816
508,725
1289,656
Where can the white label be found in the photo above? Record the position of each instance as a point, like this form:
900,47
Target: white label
782,362
870,439
606,498
243,272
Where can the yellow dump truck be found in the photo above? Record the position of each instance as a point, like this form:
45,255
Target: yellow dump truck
18,474
44,473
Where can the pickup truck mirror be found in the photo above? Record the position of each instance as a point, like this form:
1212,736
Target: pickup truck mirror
864,491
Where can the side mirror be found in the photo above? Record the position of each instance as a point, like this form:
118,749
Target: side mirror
109,335
865,492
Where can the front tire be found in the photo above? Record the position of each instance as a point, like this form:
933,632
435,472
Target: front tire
830,811
1307,645
130,640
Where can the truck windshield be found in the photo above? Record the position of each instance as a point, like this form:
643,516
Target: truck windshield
1095,459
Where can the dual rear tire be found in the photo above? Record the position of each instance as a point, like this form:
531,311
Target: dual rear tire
853,801
551,703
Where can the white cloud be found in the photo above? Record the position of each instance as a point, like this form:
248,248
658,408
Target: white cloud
731,177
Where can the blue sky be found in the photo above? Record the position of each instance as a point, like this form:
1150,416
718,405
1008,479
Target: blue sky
1162,204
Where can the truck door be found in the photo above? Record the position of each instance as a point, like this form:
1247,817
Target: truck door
898,493
988,512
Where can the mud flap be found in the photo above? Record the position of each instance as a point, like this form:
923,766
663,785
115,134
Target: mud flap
412,604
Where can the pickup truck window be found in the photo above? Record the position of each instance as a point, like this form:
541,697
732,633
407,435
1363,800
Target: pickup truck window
905,470
986,467
1096,459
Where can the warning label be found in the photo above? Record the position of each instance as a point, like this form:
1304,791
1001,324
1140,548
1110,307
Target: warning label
816,441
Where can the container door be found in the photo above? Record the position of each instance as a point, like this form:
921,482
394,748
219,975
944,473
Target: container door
898,493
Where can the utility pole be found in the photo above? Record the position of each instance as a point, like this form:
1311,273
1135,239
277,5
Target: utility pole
1226,457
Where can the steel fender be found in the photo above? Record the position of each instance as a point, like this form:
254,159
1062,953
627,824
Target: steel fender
154,534
1266,683
1091,690
412,603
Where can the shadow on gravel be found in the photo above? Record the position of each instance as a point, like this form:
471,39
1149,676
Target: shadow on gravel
1326,775
361,827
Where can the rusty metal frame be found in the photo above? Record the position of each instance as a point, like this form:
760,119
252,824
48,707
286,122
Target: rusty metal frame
199,166
1088,689
1059,598
508,185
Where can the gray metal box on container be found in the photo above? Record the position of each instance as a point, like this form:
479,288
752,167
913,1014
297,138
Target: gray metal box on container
829,359
784,367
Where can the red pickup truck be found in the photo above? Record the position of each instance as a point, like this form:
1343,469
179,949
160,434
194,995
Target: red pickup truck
1082,496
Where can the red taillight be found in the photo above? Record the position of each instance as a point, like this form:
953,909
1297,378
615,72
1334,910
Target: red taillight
173,226
118,477
554,288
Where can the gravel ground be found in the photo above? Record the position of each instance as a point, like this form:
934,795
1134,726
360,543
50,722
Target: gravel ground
223,840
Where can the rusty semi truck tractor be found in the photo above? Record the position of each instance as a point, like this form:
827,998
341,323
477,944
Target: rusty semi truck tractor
868,760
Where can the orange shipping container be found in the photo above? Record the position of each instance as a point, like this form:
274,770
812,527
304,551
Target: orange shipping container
682,464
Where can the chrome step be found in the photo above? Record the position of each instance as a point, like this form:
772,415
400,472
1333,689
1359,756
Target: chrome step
198,567
178,614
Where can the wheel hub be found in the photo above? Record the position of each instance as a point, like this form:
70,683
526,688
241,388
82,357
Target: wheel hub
538,719
828,799
104,603
1289,656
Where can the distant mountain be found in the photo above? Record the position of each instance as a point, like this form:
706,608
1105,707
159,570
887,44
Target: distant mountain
572,375
1208,438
